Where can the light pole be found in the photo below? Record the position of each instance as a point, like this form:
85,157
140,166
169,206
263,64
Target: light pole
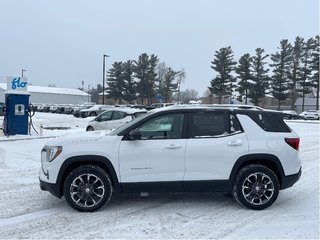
22,71
104,75
89,93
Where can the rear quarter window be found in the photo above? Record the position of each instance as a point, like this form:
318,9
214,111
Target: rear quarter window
270,122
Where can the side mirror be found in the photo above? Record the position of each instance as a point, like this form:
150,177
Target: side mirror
135,134
98,119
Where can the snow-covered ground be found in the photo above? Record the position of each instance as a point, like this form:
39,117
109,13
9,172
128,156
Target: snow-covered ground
28,212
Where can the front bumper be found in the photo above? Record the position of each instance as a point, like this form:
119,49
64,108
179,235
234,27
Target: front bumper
53,188
288,181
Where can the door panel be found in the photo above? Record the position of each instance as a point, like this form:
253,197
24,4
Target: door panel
152,160
160,153
216,142
213,158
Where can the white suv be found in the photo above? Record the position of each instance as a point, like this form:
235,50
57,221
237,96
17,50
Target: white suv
251,153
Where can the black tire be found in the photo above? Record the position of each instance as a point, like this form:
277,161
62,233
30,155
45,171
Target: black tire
93,114
256,187
90,128
87,188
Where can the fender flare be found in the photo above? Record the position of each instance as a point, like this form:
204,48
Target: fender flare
76,161
267,160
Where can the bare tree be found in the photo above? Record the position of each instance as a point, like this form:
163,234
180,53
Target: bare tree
180,78
188,95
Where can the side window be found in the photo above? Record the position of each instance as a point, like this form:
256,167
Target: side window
270,122
105,116
118,115
235,126
163,127
209,125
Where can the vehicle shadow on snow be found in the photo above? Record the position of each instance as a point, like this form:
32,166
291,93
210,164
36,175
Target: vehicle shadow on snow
154,200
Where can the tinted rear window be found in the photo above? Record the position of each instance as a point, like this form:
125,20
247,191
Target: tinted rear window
270,122
213,124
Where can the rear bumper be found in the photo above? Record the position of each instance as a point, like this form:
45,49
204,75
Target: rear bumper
288,181
54,189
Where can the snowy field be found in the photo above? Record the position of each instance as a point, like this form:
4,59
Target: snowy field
28,212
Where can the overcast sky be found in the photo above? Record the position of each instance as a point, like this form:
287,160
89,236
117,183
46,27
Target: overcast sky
62,41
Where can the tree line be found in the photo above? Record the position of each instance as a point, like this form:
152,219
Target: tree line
294,72
143,80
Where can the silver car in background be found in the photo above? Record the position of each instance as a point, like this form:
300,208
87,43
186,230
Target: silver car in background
114,118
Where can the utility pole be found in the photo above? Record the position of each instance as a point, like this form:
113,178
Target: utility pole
104,76
88,93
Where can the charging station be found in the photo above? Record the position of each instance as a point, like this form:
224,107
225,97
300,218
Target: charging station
17,107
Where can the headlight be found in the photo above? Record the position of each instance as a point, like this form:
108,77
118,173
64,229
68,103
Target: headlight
53,152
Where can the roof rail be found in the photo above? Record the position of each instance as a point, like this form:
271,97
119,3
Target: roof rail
241,106
232,106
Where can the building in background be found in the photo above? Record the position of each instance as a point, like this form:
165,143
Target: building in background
51,95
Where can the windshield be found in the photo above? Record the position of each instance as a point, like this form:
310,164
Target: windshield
129,124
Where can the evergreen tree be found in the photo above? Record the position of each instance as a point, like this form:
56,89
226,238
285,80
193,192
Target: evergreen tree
152,74
315,69
169,85
281,69
115,82
260,78
224,64
145,72
129,83
305,80
295,74
244,75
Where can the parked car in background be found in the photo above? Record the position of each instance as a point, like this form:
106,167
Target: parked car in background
53,108
69,108
159,105
310,115
114,118
2,106
94,110
77,110
60,109
290,114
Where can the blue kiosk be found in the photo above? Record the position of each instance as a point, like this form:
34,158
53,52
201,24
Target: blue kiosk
17,107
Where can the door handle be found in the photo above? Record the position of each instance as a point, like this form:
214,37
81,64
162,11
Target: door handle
236,142
173,146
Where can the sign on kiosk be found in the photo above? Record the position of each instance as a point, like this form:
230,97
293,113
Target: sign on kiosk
19,84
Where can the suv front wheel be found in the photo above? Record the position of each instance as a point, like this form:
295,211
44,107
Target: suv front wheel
88,188
256,187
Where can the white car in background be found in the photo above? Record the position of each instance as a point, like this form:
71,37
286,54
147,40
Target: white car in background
310,115
94,110
114,118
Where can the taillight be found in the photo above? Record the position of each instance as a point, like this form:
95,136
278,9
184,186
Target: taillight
293,142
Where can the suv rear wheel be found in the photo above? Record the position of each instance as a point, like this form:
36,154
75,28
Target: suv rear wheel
256,187
88,188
